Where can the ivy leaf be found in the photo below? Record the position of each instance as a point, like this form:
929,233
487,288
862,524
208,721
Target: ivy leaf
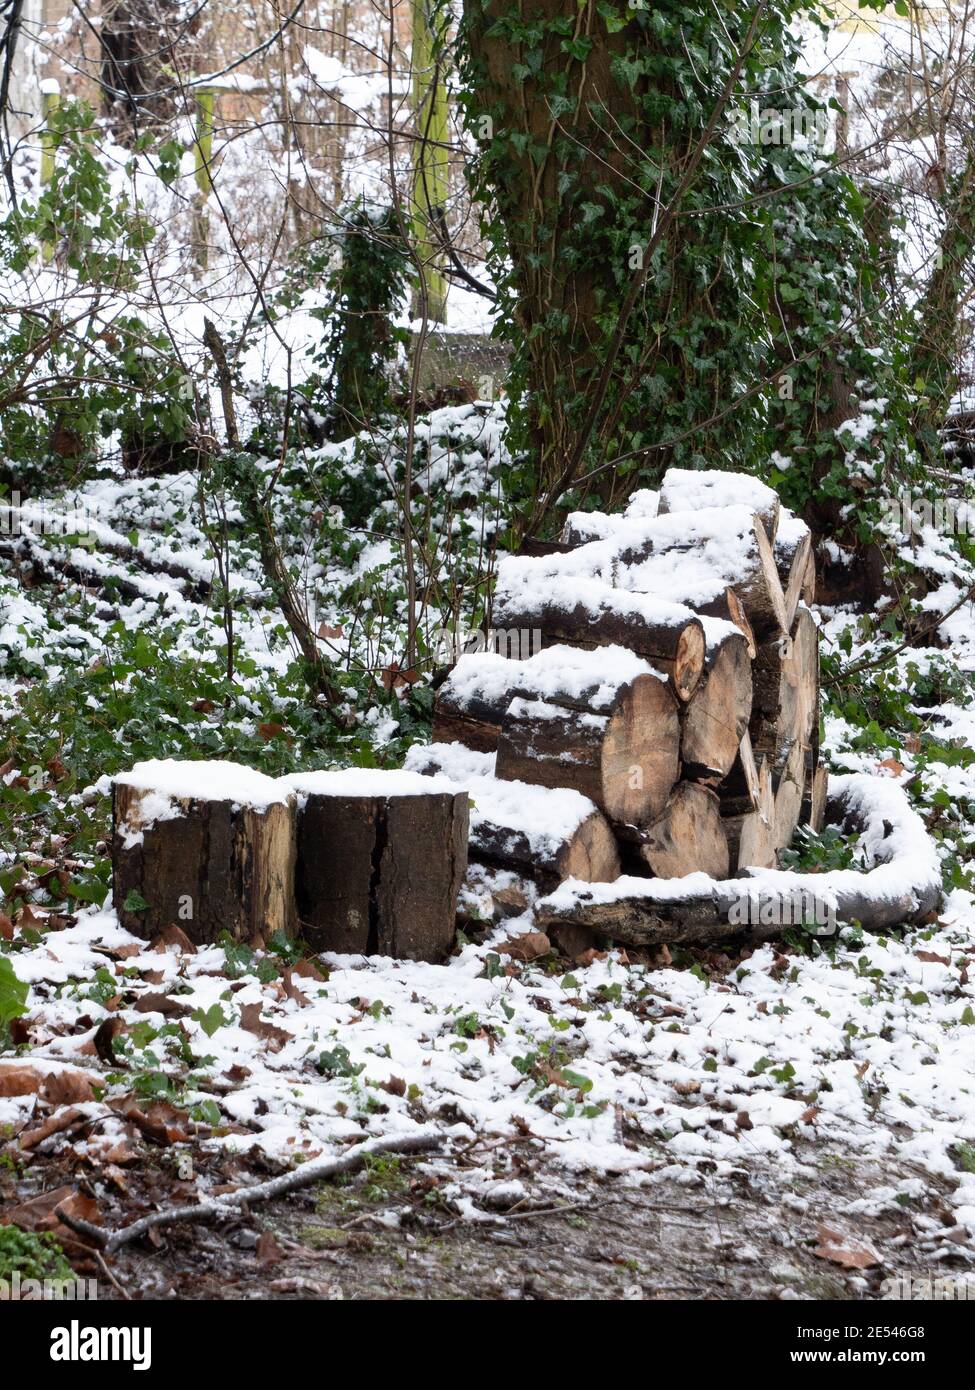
134,902
13,994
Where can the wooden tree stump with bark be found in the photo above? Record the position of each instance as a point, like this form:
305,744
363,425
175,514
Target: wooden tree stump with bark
381,857
208,846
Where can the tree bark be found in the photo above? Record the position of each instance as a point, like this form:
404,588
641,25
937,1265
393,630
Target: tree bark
380,875
216,866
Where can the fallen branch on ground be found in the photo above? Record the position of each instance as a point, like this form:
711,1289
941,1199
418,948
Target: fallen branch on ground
226,1205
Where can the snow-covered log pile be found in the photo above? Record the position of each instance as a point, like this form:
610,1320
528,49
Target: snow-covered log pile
675,688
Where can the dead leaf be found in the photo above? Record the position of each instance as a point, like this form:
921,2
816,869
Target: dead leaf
395,1086
530,946
68,1087
154,1003
892,766
329,634
40,1214
172,935
54,1124
270,729
104,1039
6,927
204,706
250,1019
842,1249
932,958
687,1088
65,1087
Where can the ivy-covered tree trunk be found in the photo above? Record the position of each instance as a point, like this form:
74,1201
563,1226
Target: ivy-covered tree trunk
936,360
603,136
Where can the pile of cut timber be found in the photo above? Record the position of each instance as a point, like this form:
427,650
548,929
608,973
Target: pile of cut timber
675,693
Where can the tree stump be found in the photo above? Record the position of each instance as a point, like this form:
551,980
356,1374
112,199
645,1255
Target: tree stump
209,846
381,858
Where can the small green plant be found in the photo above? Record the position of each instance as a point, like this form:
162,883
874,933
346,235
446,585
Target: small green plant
13,999
32,1256
337,1062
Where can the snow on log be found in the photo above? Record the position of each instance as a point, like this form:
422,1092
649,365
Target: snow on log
206,845
585,611
472,702
717,714
626,762
543,833
692,489
697,556
381,858
689,835
796,564
900,884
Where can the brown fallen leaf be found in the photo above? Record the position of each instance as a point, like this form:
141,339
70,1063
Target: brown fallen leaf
528,947
68,1087
395,1086
587,957
687,1088
40,1214
308,971
173,935
160,1122
153,1003
104,1040
64,1087
54,1124
892,766
6,927
932,958
250,1019
845,1250
269,729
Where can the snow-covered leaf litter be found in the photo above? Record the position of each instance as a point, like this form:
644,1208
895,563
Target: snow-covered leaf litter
613,1067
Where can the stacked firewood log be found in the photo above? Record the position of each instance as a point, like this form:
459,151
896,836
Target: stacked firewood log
668,720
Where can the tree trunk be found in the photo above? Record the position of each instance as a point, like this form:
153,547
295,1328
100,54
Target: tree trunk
207,866
380,874
625,761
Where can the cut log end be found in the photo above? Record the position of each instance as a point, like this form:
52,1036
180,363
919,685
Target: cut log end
688,837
